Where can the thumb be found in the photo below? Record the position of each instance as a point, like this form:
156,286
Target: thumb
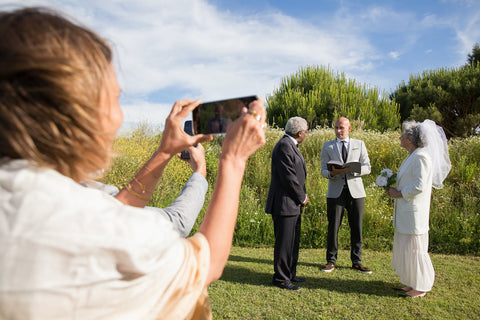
199,138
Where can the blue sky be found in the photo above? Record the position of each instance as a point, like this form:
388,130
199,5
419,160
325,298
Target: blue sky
166,50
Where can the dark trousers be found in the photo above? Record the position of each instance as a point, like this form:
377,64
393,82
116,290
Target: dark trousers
287,241
335,210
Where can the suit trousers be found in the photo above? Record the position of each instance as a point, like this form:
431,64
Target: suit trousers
287,241
335,210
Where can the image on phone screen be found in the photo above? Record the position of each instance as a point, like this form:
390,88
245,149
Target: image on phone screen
214,117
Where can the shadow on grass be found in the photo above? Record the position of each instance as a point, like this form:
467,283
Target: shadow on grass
270,262
329,282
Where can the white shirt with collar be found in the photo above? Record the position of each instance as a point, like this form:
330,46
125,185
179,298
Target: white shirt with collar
293,139
340,145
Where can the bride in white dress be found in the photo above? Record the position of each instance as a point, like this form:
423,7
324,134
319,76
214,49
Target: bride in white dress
426,165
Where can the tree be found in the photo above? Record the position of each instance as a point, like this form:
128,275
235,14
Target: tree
450,97
474,57
320,96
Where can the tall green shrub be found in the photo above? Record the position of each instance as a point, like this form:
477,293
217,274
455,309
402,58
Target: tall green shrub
449,96
320,96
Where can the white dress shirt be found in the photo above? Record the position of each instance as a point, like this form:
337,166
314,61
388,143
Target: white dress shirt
340,145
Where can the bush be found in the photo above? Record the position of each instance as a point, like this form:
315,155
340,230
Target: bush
449,96
320,96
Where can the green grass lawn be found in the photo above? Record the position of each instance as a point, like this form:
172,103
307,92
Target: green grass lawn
245,290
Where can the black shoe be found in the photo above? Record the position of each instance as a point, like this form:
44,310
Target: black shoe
286,285
298,279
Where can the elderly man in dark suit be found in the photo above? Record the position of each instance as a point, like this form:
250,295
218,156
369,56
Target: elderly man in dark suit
286,197
345,191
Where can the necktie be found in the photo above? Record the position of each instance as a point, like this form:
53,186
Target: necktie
344,152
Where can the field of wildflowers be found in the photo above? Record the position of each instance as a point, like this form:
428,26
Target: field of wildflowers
455,209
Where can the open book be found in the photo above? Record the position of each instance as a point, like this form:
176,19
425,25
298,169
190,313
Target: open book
354,166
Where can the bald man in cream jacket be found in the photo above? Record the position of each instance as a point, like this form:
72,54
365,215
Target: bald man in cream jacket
345,192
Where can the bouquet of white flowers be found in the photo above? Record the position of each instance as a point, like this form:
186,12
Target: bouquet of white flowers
386,179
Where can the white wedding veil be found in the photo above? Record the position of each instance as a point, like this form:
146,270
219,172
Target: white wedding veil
436,146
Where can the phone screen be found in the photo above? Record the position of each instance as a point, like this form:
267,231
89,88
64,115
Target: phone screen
214,117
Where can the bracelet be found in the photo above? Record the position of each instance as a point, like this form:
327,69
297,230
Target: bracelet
134,193
141,185
151,171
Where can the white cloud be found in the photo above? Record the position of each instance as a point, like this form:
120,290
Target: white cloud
468,34
195,50
394,54
222,53
146,112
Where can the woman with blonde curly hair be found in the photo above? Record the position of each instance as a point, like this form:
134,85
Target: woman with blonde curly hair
72,252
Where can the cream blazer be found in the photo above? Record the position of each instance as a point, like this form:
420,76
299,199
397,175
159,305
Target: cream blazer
414,180
357,152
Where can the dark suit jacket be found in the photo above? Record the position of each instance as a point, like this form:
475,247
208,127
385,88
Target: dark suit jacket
287,187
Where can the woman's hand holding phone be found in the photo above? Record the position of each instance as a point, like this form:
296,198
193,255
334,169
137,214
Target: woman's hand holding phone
246,134
174,139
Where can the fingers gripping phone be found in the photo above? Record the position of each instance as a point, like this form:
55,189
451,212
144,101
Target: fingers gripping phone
187,127
214,117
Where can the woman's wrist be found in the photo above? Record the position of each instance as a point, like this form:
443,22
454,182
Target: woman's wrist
161,155
234,162
158,160
202,169
154,167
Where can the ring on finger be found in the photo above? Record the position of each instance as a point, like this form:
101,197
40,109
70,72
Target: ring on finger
255,114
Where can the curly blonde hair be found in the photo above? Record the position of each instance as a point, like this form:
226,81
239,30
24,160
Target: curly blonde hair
52,73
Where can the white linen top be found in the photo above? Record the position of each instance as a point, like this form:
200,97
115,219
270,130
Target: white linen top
69,252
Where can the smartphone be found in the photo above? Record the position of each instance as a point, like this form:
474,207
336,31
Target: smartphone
187,127
214,117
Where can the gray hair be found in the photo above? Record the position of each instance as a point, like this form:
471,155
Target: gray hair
295,125
411,131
